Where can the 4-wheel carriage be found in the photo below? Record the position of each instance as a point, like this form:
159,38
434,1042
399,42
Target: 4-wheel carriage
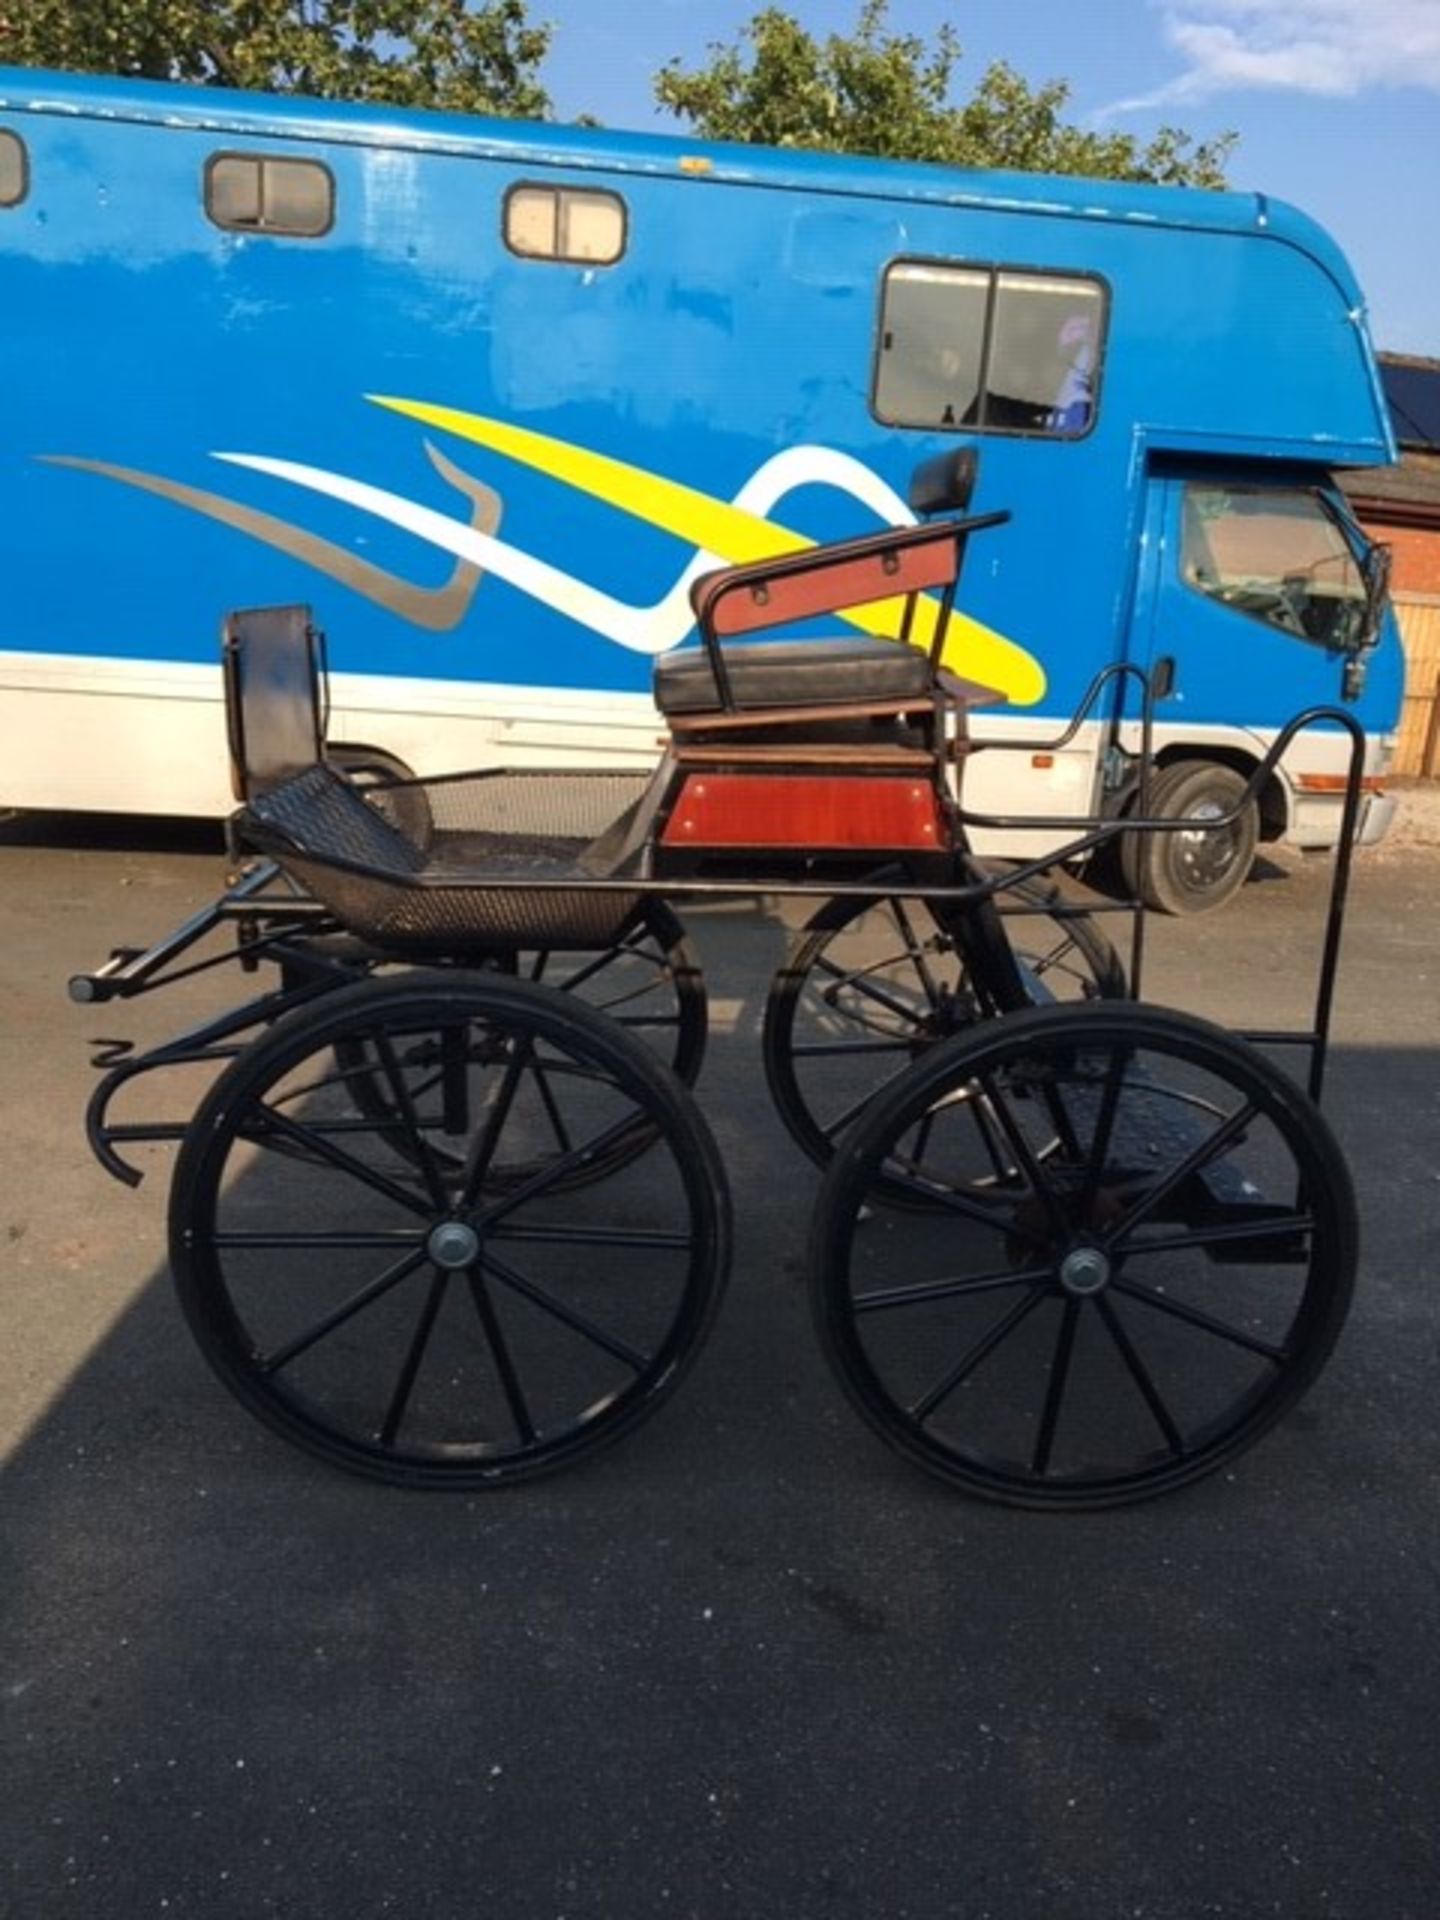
450,1215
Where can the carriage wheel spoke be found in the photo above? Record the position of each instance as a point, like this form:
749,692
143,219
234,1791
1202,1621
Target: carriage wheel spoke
921,1410
1055,1387
1280,1226
843,1049
1206,1322
483,1150
561,1168
312,1142
552,1109
861,982
365,1296
504,1362
455,1078
1030,1162
1042,964
1100,1140
404,1386
384,1240
1141,1375
915,954
404,1100
998,1214
925,1293
634,1239
577,1322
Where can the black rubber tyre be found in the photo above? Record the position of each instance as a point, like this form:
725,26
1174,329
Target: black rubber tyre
432,1330
649,982
1136,1252
872,985
1191,870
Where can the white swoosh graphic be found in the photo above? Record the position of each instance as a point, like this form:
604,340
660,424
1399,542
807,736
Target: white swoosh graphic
643,629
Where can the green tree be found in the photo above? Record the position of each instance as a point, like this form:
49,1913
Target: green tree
471,58
889,93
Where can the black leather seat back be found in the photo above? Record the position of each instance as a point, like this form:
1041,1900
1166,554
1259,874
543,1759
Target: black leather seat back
275,701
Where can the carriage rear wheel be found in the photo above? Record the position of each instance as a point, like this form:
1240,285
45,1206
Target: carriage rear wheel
456,1314
1135,1250
873,984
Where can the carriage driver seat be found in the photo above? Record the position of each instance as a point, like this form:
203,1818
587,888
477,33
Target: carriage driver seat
721,689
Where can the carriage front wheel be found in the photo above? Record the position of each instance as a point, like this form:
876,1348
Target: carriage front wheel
416,1289
1083,1255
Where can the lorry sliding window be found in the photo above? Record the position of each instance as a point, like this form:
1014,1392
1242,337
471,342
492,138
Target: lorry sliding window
1276,554
13,170
989,349
270,194
578,224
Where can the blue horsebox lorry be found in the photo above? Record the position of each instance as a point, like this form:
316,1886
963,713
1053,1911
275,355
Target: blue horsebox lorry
490,395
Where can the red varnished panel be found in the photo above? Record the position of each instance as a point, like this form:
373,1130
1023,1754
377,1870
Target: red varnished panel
805,812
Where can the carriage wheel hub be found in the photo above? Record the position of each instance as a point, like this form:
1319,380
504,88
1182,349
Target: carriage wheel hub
453,1246
1085,1270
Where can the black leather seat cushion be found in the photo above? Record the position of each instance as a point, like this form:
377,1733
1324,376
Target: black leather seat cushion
794,673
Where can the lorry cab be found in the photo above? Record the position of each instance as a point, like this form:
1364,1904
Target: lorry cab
1257,594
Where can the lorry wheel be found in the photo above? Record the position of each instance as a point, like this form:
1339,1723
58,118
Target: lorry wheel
1192,870
367,764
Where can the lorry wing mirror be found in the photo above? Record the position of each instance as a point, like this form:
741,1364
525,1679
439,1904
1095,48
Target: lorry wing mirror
946,483
1377,587
1367,633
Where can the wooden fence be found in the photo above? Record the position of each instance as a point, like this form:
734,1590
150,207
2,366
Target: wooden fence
1417,754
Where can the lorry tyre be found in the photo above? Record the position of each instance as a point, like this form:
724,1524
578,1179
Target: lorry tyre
1191,870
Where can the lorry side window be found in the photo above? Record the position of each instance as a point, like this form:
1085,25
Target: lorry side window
268,193
1275,554
13,169
993,349
578,224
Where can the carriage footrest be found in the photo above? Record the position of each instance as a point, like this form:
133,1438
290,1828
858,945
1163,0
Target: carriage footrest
1154,1131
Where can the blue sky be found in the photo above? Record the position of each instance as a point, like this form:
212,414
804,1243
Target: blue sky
1337,102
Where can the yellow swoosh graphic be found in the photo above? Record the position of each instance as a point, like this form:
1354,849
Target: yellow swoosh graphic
733,533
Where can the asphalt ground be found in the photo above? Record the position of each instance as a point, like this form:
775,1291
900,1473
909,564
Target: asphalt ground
749,1662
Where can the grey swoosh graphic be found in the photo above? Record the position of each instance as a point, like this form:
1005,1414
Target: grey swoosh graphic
437,609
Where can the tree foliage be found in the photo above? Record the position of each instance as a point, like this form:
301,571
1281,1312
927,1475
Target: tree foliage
889,93
456,54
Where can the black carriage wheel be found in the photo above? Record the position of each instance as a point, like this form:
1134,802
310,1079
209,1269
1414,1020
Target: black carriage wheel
1136,1251
649,981
430,1330
1192,869
872,985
